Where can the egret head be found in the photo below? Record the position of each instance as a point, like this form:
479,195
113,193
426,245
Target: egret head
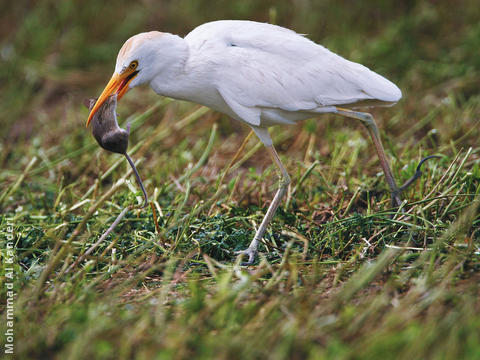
134,66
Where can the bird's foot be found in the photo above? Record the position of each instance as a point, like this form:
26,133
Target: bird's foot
251,252
396,199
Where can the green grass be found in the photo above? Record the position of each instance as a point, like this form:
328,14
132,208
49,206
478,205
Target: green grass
341,275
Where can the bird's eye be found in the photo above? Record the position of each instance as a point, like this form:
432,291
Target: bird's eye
133,65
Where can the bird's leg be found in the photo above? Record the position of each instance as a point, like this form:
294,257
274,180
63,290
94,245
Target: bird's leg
252,249
372,128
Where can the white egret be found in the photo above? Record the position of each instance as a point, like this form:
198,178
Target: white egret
257,73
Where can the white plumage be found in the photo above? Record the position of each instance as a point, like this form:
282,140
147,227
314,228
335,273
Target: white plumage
263,66
257,73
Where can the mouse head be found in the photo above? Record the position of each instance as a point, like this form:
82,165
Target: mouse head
107,109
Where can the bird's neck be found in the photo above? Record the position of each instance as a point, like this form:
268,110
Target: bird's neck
170,61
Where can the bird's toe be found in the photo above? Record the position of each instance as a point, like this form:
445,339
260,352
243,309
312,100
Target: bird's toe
251,253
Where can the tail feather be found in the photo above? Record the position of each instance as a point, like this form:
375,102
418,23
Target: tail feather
376,86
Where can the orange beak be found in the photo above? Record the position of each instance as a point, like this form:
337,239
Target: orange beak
118,84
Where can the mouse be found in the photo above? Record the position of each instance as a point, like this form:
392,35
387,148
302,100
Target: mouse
110,136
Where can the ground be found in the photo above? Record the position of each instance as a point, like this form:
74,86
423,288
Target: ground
341,274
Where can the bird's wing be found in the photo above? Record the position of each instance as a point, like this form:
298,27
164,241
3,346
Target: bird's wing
257,65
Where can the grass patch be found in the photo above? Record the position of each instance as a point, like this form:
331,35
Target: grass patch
341,275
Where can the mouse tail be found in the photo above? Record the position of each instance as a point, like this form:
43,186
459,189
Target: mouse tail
139,181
